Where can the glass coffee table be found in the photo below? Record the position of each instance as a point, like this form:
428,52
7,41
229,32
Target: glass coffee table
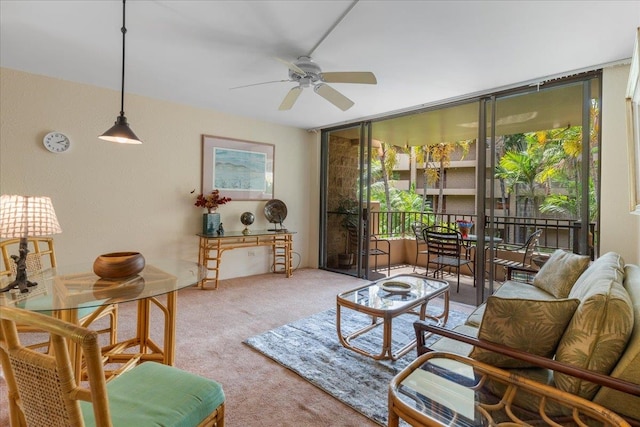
387,299
445,389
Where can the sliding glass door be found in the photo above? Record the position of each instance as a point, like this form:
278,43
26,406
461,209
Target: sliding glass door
345,199
512,162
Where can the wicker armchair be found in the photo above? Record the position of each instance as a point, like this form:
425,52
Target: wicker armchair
44,392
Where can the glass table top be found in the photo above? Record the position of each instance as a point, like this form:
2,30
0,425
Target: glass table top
76,286
392,293
253,233
445,390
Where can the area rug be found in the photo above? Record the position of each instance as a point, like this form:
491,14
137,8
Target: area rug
310,348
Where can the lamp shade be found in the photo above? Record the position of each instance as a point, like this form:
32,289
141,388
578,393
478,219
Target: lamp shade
121,132
27,216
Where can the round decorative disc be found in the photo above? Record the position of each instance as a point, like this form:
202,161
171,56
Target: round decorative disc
276,211
247,218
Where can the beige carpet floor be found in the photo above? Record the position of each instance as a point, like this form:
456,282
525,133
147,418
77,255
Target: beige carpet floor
212,326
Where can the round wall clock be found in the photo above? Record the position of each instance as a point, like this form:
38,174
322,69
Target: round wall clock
56,142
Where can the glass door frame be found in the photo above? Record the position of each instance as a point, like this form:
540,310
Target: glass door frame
363,192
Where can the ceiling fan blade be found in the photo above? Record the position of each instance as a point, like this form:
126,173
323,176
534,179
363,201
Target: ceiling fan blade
293,67
363,77
258,84
333,96
290,99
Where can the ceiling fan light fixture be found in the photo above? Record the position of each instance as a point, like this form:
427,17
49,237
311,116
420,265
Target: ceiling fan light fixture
120,132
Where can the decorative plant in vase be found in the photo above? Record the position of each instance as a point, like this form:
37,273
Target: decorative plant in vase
464,226
211,201
211,220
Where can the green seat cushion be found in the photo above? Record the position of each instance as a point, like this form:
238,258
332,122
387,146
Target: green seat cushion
44,302
153,394
599,330
558,275
533,326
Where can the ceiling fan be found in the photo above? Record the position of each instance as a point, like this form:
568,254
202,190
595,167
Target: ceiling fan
307,73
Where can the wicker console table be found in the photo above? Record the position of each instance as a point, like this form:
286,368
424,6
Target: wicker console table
212,247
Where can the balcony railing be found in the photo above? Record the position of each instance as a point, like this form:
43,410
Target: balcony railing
557,233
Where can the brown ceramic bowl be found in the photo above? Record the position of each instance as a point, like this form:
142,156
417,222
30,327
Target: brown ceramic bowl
117,265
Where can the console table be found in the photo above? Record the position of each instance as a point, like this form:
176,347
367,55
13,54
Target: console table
212,247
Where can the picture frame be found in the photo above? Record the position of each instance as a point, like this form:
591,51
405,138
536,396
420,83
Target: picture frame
633,127
241,170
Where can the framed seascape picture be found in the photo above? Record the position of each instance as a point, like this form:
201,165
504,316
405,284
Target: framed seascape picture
633,128
242,170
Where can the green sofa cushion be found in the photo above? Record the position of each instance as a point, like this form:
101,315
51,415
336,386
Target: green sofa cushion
600,329
153,394
558,275
533,326
453,346
628,367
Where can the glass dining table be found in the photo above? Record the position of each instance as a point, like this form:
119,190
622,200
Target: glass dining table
66,289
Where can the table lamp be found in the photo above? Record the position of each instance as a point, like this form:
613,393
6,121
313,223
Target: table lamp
23,217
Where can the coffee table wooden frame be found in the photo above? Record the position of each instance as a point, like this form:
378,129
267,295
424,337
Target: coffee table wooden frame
384,317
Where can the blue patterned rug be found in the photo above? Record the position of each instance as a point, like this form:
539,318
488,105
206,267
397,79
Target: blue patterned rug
310,348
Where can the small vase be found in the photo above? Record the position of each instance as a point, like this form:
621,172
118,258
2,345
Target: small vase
210,223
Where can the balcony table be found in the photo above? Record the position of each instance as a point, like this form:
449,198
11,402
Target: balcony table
65,289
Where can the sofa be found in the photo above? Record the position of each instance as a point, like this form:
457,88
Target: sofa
576,327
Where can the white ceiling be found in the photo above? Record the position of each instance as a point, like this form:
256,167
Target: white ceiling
422,52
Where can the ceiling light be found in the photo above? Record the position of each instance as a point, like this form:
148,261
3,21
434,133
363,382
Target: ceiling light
121,132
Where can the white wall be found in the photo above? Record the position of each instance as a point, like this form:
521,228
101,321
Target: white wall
111,197
620,230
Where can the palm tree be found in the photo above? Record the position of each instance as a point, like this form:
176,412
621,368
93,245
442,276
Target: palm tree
436,158
523,172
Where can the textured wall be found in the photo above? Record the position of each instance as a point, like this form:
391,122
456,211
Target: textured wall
111,197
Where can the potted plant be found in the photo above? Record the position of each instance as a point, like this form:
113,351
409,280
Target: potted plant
464,226
349,208
211,220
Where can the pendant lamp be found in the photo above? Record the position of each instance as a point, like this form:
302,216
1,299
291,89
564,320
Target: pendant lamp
121,132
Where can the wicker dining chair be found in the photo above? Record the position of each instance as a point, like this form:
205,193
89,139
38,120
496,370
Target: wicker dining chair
43,390
42,255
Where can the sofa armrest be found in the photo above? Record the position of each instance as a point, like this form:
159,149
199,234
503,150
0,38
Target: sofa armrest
604,380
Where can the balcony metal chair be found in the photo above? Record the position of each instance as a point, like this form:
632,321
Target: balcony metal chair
377,247
522,254
444,249
42,255
417,228
43,390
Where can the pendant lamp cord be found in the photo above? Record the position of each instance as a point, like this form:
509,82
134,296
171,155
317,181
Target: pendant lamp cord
124,31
